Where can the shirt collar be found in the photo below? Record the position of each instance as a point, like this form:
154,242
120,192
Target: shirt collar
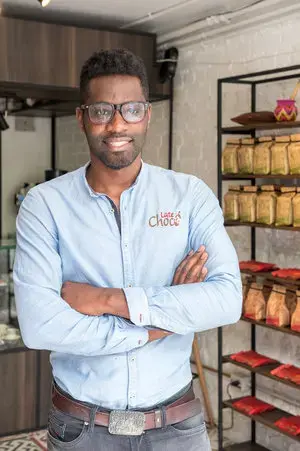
93,193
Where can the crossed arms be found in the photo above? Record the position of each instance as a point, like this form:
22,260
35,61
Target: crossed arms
51,319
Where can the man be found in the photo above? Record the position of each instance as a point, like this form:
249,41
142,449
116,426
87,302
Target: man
109,274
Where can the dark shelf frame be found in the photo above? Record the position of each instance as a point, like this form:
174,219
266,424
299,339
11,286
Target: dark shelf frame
264,370
260,176
267,419
285,330
246,446
264,226
252,80
248,129
267,276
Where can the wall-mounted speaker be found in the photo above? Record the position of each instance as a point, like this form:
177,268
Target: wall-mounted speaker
169,65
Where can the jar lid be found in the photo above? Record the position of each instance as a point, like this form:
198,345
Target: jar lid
250,189
295,137
282,139
248,141
264,139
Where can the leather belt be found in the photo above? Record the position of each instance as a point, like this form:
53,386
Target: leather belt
183,408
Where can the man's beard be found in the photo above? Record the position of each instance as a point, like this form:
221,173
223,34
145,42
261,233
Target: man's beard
115,159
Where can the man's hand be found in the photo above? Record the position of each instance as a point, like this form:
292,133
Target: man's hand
191,269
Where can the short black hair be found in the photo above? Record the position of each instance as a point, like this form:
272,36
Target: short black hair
113,62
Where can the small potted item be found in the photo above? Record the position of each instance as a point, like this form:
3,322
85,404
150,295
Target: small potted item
286,109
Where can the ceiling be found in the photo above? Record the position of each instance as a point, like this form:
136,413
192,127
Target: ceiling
155,16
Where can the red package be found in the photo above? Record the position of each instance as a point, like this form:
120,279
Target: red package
255,266
290,372
252,406
289,424
288,273
252,358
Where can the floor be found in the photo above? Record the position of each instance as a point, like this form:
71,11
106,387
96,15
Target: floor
36,441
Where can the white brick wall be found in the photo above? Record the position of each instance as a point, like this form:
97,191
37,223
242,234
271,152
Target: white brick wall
195,151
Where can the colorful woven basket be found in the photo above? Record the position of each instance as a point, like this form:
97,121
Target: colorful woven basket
286,110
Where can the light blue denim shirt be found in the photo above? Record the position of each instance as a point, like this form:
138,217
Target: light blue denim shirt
67,232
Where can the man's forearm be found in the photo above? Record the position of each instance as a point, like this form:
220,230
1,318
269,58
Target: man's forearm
95,301
116,303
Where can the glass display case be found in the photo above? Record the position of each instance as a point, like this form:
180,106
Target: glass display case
10,339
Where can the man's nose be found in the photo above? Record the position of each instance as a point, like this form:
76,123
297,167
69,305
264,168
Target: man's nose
117,124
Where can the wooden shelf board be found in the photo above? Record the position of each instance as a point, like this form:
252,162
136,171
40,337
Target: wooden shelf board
262,370
258,176
295,284
267,418
285,330
260,126
256,224
246,446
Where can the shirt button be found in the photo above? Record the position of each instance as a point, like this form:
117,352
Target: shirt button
112,211
126,245
129,286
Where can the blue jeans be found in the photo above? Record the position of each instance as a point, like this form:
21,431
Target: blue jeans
66,432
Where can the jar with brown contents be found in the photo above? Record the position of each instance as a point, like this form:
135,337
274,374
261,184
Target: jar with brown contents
284,209
262,156
294,154
279,156
245,156
229,157
266,205
296,209
247,204
231,203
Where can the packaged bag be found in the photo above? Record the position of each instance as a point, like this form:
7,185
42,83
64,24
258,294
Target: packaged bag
279,156
296,209
294,154
287,273
266,205
231,203
290,424
247,204
245,156
280,307
255,303
256,266
252,359
295,322
262,155
284,206
229,157
252,406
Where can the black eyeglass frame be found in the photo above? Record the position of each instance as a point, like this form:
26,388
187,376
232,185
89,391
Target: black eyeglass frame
117,107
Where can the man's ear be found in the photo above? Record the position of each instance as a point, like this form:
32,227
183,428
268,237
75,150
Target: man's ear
149,115
79,116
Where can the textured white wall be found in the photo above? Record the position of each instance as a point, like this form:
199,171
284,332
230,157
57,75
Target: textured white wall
195,151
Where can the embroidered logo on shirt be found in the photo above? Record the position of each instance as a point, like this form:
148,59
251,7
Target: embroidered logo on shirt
168,219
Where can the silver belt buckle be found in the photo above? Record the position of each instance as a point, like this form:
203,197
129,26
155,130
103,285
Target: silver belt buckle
126,422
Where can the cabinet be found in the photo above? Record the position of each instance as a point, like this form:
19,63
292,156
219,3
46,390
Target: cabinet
253,81
25,375
52,55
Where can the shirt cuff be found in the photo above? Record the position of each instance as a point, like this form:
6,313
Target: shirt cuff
138,307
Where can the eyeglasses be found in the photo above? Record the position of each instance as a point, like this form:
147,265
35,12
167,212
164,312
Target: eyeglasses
103,112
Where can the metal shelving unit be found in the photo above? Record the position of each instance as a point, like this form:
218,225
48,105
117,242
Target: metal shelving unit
252,80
